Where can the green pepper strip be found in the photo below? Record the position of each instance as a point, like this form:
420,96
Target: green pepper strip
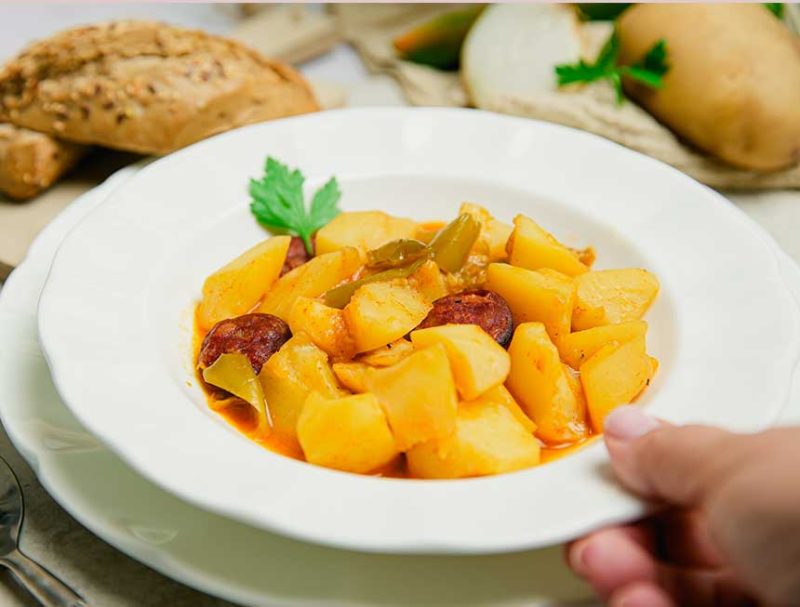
452,244
339,297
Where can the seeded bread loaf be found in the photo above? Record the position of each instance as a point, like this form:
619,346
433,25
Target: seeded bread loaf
145,87
31,162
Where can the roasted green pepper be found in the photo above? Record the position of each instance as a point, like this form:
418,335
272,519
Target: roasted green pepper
451,246
397,253
339,297
234,373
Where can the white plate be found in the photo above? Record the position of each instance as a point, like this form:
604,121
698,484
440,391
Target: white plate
114,315
210,552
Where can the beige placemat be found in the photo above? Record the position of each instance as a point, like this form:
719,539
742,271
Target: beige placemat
372,27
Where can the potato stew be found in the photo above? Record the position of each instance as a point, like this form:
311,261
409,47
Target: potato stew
386,346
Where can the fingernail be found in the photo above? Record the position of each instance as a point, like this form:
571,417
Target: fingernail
628,423
577,557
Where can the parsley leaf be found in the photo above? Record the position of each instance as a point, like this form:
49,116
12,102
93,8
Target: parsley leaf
776,8
649,71
278,202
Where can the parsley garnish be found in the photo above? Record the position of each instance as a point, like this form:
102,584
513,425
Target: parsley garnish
650,70
278,202
776,8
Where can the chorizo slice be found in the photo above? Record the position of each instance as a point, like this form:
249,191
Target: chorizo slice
257,336
296,254
481,307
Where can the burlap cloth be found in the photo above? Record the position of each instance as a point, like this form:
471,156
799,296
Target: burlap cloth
371,28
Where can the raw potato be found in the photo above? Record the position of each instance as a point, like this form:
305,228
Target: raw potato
535,296
608,297
493,232
614,376
429,281
363,230
488,440
238,286
534,248
540,384
382,312
733,87
512,48
289,375
311,279
349,433
324,325
418,395
388,355
577,347
478,362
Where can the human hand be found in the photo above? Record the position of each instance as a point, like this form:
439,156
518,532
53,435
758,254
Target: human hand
730,533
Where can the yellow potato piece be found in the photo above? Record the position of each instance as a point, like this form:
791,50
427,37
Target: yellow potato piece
540,384
237,287
388,355
478,362
363,230
578,347
614,376
290,375
488,440
535,296
352,375
349,433
533,247
502,396
324,325
382,312
608,297
418,395
493,232
311,279
429,281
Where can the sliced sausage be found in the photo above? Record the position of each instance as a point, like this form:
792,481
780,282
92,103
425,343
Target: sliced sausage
257,336
483,308
296,255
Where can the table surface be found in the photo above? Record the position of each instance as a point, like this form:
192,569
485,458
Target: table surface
107,577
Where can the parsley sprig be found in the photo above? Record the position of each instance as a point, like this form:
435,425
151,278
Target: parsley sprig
649,71
278,202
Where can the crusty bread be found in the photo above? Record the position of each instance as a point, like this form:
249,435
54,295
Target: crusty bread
31,162
145,87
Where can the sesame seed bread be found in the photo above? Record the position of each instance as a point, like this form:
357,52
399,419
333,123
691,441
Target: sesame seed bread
145,87
31,162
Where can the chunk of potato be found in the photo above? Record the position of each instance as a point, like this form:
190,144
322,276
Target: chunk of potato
388,355
311,279
535,296
539,382
501,395
488,440
349,433
607,297
324,325
429,281
418,395
578,347
289,375
382,312
237,287
614,376
352,375
478,362
363,230
533,247
495,233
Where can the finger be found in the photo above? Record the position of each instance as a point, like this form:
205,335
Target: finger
641,594
682,538
612,558
678,465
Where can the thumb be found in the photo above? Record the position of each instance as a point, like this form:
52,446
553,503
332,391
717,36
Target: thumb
679,465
